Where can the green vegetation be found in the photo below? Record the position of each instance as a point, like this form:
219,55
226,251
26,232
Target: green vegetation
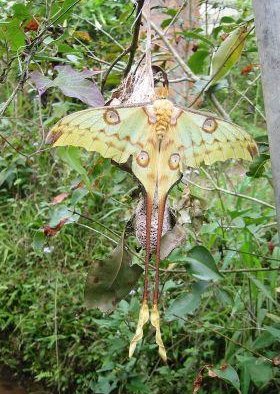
221,329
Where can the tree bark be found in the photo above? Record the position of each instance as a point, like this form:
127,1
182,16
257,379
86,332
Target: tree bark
267,17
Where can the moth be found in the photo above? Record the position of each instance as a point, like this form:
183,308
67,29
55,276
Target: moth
160,141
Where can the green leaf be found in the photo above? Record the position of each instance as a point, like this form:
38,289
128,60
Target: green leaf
228,53
227,19
201,264
228,374
257,167
274,331
110,280
13,34
197,36
264,290
62,213
62,12
197,61
21,11
72,156
186,303
38,241
259,371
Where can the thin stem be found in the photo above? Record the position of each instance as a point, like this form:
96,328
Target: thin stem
232,193
219,107
176,55
134,43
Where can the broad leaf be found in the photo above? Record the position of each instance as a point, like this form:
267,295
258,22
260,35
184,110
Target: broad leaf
72,156
171,240
201,264
228,53
259,370
186,303
197,61
110,280
257,167
72,83
228,374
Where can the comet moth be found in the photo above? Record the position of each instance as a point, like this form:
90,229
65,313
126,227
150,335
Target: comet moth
160,141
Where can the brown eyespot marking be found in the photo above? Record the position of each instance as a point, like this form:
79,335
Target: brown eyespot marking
174,161
143,158
111,116
210,125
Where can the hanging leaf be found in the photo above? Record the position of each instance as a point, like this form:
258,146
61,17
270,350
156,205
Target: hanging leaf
171,240
257,167
228,53
110,280
259,370
197,61
227,373
72,83
201,264
72,156
186,303
61,215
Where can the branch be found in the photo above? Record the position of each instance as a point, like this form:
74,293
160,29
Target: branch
232,193
219,107
176,55
125,52
134,44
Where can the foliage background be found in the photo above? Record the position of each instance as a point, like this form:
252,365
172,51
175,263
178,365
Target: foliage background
231,324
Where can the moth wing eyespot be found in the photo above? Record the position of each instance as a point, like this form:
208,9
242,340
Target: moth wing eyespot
143,158
111,116
209,125
174,161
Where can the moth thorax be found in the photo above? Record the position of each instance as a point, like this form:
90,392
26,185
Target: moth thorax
140,222
163,116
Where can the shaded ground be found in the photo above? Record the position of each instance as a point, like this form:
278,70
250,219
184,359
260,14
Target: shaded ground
9,384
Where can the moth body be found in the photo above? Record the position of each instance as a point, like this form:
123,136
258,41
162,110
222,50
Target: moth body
163,110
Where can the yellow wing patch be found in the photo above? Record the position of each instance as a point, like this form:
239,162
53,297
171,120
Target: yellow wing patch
115,133
202,138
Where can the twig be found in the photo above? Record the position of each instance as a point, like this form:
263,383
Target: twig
176,55
98,26
176,16
244,93
219,107
134,43
267,269
125,52
199,325
244,97
232,193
